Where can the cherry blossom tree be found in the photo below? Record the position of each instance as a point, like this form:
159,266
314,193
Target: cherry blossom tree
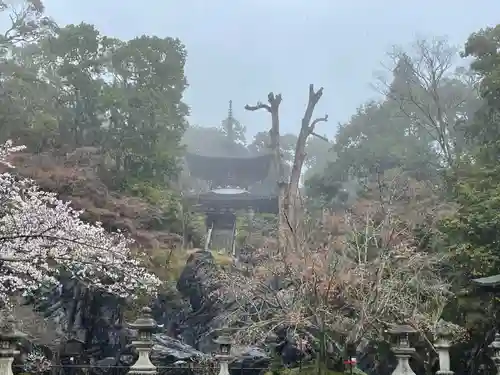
42,236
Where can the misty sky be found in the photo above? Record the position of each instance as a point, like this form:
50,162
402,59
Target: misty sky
242,49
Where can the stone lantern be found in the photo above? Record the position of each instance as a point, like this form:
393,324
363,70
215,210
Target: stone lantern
402,348
224,355
9,336
145,326
491,284
495,345
442,345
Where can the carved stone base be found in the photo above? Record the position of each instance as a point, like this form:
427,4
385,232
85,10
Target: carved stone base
143,366
6,365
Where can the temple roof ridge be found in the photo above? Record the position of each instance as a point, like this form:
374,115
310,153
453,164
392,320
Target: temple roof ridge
190,154
229,171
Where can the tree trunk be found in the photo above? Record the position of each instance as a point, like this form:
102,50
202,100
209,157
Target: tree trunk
288,191
306,129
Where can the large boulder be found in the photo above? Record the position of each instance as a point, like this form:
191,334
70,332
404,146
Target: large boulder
167,351
249,361
199,283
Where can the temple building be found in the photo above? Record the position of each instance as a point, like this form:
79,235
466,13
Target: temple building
230,180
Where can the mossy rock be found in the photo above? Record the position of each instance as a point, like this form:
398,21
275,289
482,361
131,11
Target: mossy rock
222,259
167,264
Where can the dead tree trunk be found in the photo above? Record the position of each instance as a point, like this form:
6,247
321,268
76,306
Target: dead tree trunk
289,190
306,129
274,145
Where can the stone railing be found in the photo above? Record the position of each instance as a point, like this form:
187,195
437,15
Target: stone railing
145,326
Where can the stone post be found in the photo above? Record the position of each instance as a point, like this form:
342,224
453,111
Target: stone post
145,326
8,340
402,349
442,345
224,355
495,345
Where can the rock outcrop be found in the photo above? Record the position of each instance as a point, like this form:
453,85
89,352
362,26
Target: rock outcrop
168,351
199,284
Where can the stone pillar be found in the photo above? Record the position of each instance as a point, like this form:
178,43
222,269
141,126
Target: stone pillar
224,364
224,354
145,326
8,341
442,345
402,349
495,345
443,348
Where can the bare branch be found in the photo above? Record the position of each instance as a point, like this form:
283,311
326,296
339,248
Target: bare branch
258,106
27,23
320,137
273,100
316,121
435,97
351,281
314,96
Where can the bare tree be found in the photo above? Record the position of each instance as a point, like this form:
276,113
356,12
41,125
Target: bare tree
27,22
289,190
344,284
433,94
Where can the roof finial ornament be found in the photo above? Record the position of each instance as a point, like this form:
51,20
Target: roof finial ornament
229,123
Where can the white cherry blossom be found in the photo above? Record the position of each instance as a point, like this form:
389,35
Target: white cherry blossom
41,236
